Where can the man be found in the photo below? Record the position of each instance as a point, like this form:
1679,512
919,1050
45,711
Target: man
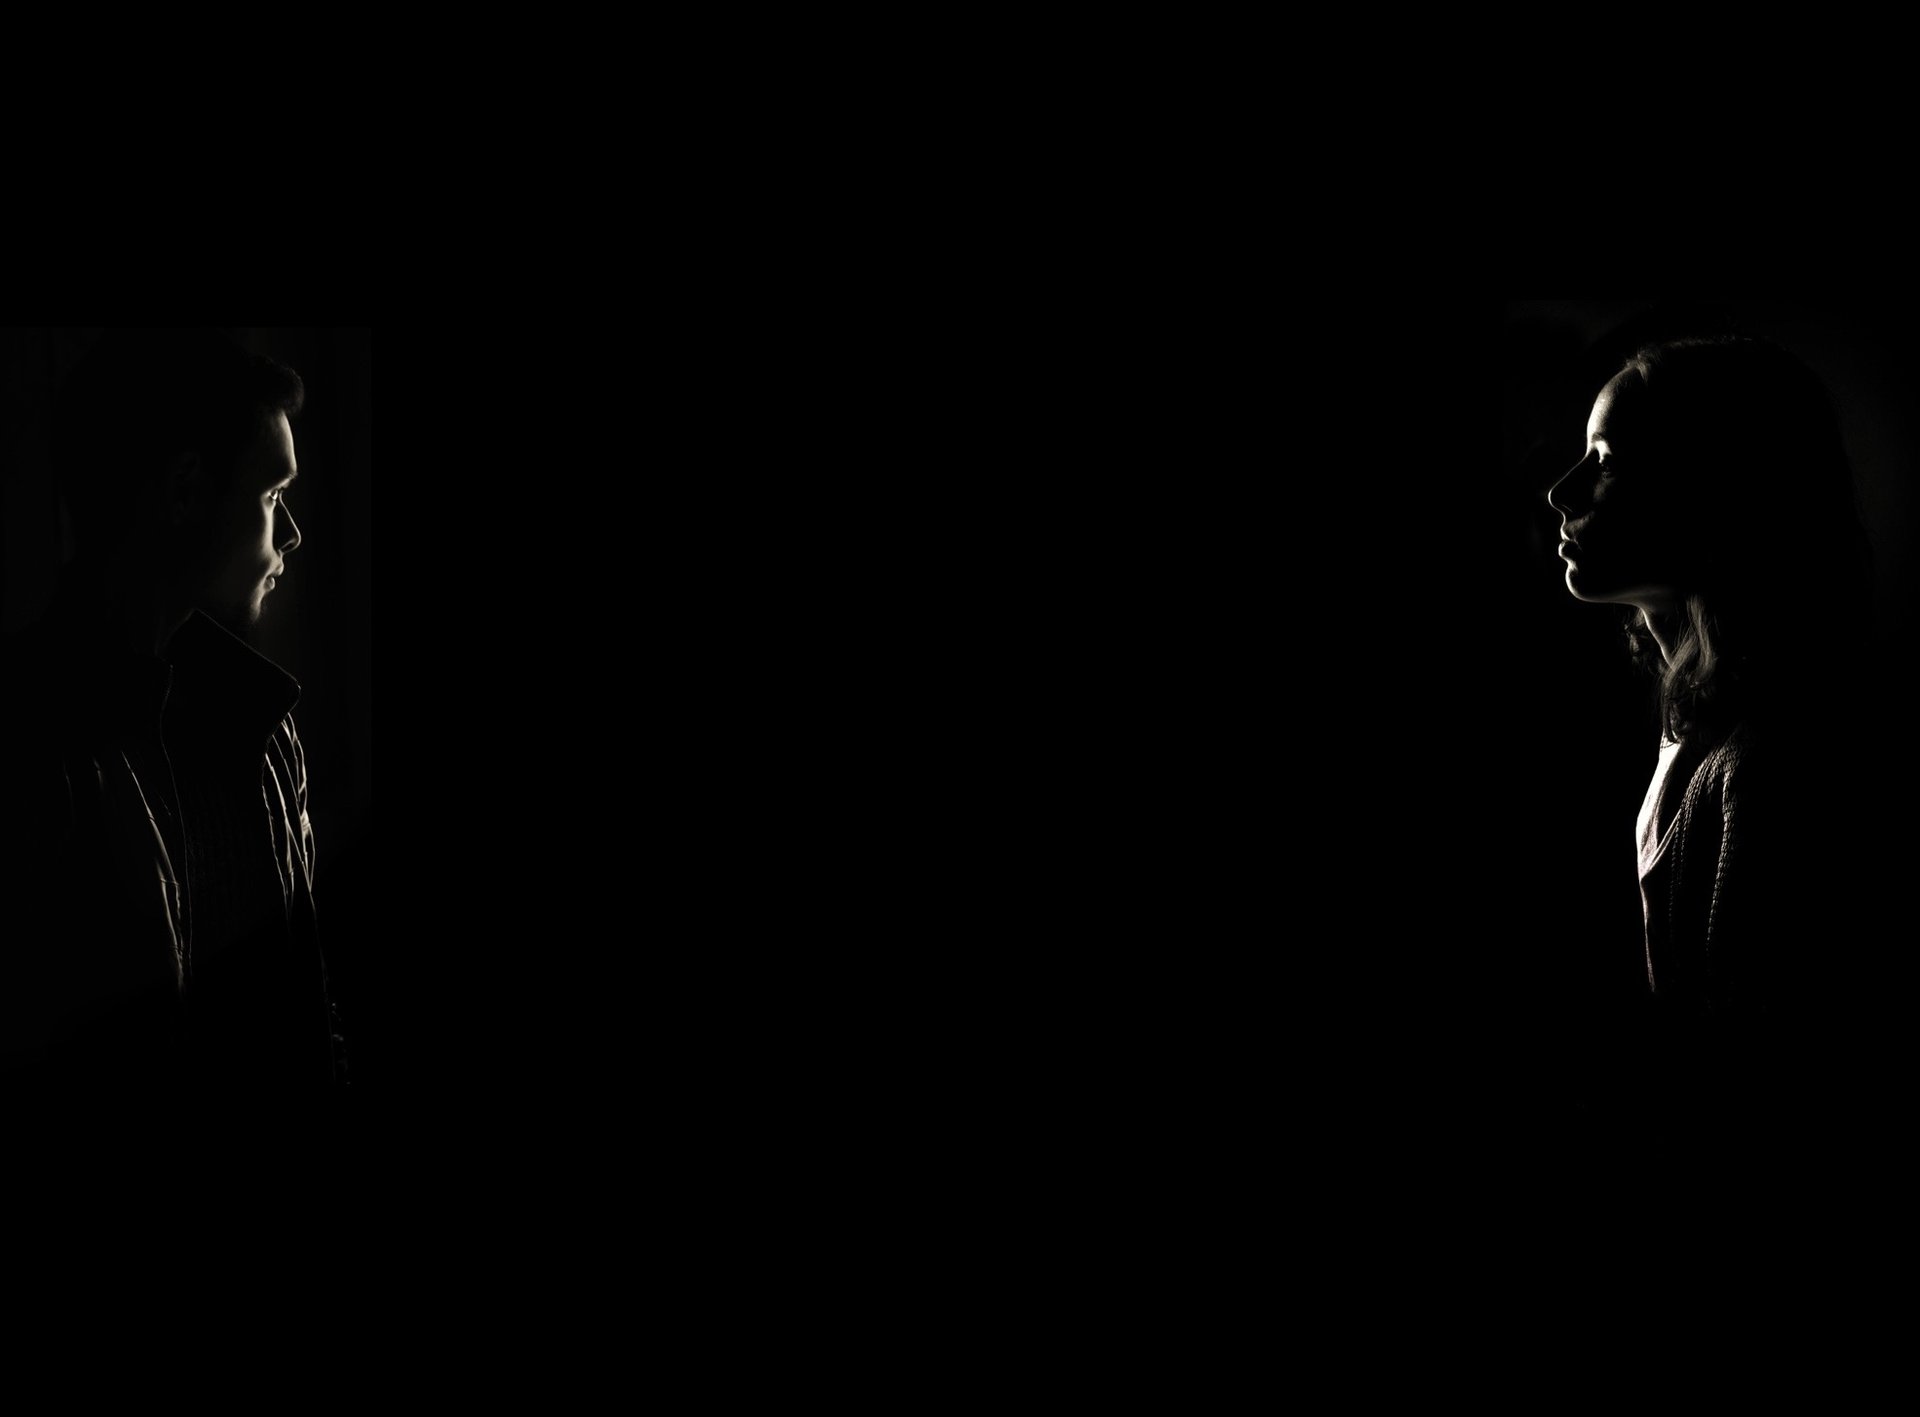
156,926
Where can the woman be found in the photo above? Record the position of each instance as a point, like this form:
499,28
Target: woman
1715,499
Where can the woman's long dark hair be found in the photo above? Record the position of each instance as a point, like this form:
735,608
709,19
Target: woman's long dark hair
1781,587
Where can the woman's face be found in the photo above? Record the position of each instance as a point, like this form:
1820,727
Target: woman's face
1625,524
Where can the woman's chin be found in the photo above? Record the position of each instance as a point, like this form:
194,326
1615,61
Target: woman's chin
1584,587
1595,591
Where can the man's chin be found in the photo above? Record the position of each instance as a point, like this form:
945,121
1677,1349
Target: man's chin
240,620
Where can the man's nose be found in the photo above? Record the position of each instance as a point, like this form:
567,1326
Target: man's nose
290,534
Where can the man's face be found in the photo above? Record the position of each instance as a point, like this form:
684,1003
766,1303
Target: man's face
252,529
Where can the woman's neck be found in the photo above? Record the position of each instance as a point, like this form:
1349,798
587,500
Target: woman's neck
1654,618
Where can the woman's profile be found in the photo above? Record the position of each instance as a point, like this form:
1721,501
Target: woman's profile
1715,502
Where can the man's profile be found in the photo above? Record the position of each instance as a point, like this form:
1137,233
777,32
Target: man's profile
158,923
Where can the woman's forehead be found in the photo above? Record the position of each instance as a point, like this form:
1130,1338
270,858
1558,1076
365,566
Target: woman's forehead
1615,408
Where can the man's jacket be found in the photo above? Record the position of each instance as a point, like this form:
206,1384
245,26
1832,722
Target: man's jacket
158,927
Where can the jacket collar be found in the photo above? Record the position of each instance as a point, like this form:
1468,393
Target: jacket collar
223,686
209,682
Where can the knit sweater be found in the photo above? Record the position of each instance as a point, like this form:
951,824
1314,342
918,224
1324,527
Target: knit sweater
1760,951
1733,889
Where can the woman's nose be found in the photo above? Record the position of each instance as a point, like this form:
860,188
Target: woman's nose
1560,495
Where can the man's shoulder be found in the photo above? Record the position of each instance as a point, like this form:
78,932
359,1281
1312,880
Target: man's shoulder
28,654
34,703
35,794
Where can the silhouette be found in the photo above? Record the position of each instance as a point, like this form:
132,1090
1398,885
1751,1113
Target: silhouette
158,862
1715,500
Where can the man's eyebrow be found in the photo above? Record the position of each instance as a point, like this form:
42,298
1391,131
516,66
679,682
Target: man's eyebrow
290,478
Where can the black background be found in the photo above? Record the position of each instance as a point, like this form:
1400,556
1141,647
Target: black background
318,624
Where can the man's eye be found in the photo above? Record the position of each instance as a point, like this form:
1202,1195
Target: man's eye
274,495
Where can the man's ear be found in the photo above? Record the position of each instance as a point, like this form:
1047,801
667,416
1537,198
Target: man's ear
186,489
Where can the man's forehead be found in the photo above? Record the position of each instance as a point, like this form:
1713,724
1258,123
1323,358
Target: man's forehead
272,452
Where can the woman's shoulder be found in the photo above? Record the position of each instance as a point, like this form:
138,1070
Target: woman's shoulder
1731,768
1769,770
1763,741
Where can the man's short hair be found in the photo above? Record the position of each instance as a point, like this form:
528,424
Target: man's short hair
140,398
